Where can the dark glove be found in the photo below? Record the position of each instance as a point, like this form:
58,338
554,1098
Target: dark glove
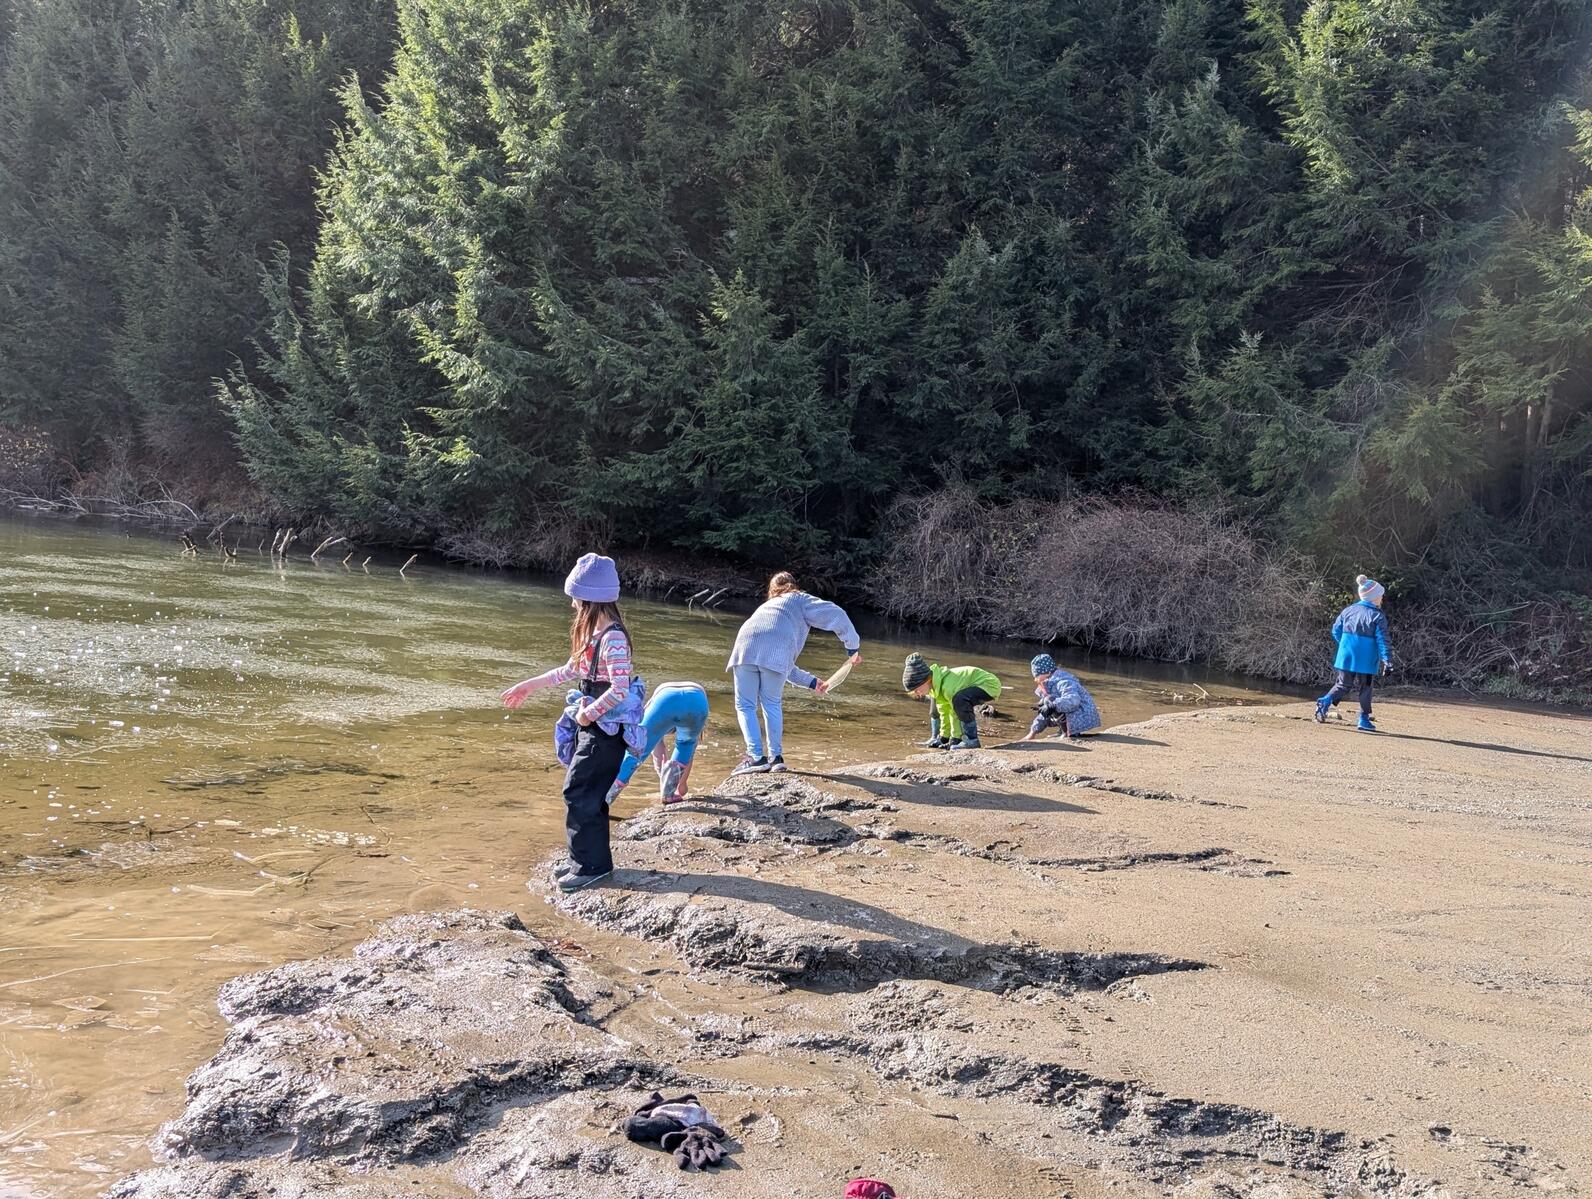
694,1147
644,1126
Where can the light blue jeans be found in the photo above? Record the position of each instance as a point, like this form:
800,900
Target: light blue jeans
757,687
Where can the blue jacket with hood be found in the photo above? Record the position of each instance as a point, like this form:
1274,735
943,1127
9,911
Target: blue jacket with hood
1361,634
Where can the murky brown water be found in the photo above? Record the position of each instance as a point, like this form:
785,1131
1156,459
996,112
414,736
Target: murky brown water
208,768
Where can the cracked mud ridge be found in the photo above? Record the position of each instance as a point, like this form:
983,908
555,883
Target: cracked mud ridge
1218,955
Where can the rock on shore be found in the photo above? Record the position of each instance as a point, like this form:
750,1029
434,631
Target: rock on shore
1177,962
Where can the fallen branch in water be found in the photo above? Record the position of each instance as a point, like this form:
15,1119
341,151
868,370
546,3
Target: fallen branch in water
406,565
154,511
330,541
215,533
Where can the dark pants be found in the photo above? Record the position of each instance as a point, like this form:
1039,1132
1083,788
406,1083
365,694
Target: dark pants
963,704
592,771
1046,717
1349,680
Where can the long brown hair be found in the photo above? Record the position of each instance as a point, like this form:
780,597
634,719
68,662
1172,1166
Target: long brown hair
782,584
585,621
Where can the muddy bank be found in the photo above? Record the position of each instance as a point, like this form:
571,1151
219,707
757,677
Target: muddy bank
1230,953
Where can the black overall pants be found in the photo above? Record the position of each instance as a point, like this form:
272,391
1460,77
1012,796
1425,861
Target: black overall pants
592,771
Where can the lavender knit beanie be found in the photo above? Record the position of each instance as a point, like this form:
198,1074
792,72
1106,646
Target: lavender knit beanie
594,579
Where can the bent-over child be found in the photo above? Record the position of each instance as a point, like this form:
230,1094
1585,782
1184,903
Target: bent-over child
1363,652
955,693
1063,701
678,709
763,660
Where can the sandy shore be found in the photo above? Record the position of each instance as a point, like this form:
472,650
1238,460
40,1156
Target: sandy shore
1228,953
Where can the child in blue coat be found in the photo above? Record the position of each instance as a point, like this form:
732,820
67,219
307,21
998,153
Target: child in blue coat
1063,701
1363,653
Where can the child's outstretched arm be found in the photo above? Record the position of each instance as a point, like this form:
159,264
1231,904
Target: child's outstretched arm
832,618
516,695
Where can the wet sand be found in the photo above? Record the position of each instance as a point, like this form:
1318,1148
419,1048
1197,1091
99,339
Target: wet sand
1222,953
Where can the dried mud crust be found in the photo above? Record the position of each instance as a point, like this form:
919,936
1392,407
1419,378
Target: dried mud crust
973,765
789,811
407,1051
736,930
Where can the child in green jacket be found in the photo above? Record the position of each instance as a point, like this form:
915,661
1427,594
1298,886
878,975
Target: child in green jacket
956,692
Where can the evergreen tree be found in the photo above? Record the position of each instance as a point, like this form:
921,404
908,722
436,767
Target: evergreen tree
150,160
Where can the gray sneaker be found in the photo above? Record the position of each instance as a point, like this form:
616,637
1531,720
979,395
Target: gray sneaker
777,765
575,880
750,765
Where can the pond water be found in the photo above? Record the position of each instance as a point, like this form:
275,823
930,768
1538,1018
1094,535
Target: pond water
210,767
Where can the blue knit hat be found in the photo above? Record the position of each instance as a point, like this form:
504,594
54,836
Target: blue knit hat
595,579
1368,588
1042,664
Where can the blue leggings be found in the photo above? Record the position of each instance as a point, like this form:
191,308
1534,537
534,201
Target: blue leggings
678,708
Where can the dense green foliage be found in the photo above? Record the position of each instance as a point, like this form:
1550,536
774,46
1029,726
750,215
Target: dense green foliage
732,276
150,158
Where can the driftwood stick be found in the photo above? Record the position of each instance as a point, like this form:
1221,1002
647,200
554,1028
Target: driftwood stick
408,564
330,541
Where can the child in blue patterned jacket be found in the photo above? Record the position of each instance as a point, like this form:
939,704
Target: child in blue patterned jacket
1363,652
1063,701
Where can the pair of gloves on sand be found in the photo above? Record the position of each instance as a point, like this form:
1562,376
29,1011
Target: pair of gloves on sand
682,1126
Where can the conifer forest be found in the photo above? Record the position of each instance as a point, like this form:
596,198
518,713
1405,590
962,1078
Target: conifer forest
1138,324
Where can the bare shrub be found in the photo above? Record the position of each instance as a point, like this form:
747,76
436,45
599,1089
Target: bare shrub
1129,577
547,541
939,544
1153,580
